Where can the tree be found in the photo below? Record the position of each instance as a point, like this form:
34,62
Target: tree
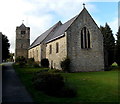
11,55
5,47
21,61
109,44
65,64
118,47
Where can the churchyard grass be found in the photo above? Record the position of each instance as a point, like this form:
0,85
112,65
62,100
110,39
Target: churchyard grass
90,86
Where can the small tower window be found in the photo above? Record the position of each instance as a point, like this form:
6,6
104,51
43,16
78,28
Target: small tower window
50,51
22,32
85,38
21,45
57,47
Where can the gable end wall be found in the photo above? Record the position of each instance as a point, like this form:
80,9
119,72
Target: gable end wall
85,59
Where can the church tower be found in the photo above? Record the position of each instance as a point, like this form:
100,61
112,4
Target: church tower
22,41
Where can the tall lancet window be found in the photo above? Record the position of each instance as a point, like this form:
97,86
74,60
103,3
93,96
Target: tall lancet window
85,38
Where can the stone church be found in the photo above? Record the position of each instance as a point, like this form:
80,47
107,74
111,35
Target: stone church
79,39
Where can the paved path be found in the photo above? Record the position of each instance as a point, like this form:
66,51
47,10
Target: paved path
12,89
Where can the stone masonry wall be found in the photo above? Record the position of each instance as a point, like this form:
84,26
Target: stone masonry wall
85,59
35,53
22,42
55,58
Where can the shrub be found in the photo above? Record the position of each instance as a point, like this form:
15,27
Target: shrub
49,83
30,61
21,61
36,65
65,65
45,63
52,84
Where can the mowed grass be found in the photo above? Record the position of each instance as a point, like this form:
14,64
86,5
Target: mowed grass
90,86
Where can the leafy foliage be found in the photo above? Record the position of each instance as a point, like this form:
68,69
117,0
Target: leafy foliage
52,84
36,65
21,61
30,61
5,47
109,44
45,63
118,47
65,65
11,57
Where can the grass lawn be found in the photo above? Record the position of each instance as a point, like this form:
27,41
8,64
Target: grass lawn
90,86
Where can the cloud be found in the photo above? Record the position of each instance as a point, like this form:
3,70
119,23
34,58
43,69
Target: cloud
114,25
39,15
12,13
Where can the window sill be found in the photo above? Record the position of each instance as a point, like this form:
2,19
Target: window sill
86,48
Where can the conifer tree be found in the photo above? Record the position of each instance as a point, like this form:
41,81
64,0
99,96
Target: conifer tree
118,47
109,44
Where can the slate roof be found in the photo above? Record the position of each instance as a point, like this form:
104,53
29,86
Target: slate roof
46,38
60,32
42,36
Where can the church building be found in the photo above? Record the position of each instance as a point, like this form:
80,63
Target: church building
79,39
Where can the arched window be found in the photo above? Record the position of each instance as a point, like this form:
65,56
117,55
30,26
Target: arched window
85,38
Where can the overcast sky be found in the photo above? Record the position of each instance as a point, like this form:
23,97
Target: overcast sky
40,15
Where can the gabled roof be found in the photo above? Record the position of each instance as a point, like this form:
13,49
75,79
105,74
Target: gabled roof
43,36
61,30
46,37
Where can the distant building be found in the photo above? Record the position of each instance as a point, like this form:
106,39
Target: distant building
22,41
79,38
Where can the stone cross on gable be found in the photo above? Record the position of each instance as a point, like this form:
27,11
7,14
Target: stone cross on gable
83,5
22,21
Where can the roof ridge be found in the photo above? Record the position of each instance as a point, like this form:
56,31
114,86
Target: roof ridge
62,28
50,27
72,21
76,17
43,34
54,26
